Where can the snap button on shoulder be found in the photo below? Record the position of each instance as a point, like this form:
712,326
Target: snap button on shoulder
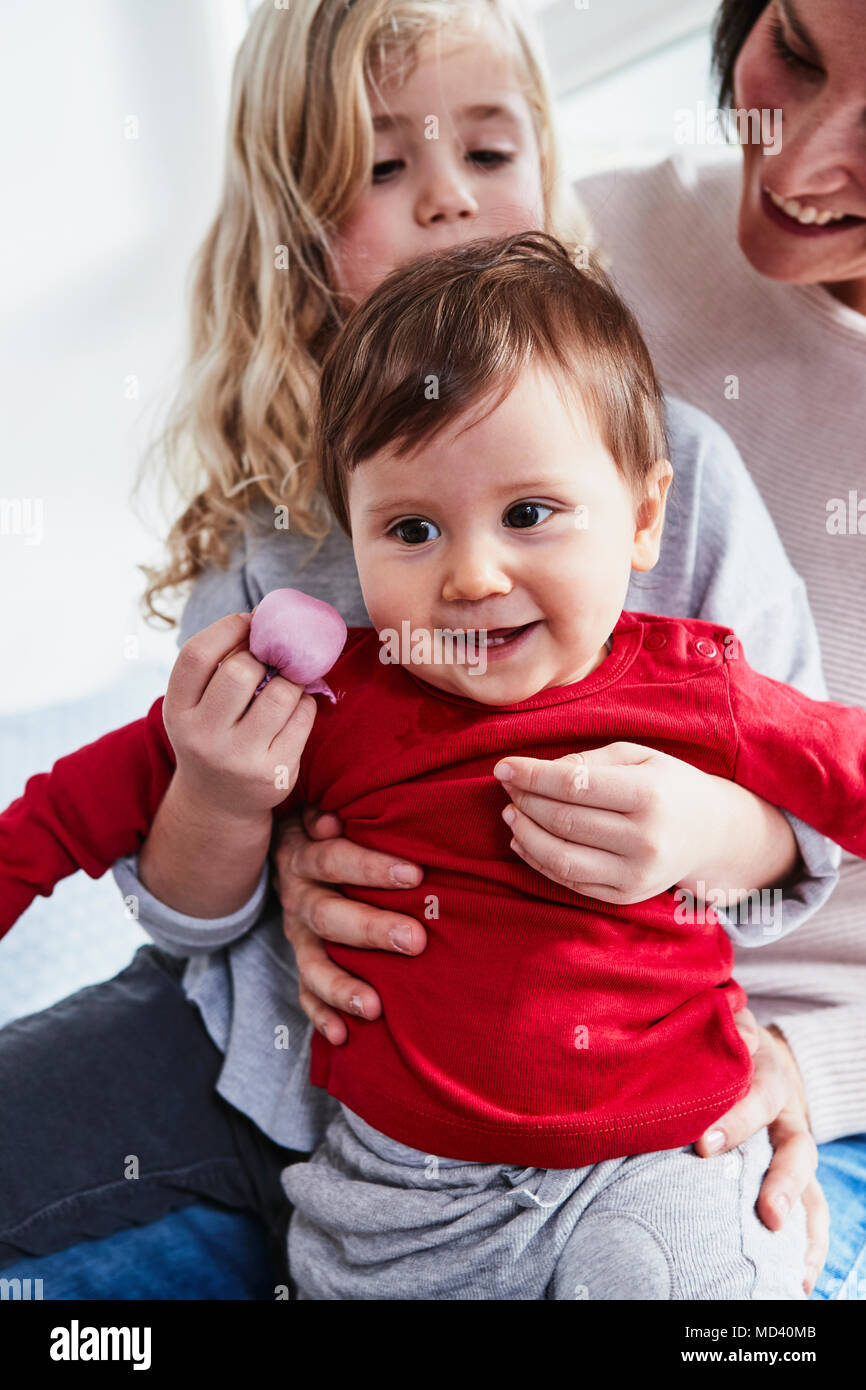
654,641
705,647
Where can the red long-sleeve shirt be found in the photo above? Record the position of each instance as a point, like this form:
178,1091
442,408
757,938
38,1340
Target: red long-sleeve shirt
538,1027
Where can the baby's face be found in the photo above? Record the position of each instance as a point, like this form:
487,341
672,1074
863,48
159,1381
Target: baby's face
521,522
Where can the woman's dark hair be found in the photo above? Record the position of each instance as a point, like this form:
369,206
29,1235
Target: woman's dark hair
734,22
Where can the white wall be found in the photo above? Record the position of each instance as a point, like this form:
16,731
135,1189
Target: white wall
98,233
586,40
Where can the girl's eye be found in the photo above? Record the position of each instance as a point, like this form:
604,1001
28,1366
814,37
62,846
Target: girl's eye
527,514
787,54
382,171
413,530
491,159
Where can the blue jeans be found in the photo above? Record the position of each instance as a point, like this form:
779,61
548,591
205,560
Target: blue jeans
208,1252
842,1175
203,1251
200,1215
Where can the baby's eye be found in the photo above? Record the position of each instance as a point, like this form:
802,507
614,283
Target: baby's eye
490,159
415,530
527,514
382,171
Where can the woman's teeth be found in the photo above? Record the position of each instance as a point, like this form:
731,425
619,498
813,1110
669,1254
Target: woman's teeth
804,213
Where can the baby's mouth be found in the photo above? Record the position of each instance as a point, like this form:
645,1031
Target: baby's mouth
501,636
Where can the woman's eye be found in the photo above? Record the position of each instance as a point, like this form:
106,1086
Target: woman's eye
382,171
490,159
787,54
415,531
527,513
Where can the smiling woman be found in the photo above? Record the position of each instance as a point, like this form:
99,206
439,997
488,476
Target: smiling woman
803,213
758,313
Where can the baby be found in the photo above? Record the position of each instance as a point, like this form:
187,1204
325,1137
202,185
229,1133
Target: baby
519,1122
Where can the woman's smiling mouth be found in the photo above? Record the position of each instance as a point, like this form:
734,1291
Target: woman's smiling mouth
802,218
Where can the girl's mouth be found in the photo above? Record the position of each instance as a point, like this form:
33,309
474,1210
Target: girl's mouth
803,220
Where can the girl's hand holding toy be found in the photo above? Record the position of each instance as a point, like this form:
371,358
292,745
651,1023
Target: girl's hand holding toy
239,707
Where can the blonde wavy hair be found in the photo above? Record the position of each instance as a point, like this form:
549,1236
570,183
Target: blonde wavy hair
263,306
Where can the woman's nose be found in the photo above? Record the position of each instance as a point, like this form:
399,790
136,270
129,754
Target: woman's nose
822,151
445,196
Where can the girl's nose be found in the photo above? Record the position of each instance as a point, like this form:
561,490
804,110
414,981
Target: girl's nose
445,196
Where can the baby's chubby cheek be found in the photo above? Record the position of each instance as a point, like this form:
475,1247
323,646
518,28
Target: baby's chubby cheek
380,587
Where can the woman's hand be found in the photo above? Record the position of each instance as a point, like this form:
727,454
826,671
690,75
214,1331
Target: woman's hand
624,822
310,855
776,1099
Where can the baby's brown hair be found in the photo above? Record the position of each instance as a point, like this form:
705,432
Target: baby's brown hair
446,331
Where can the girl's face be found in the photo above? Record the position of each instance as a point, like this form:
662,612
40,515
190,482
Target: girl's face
455,159
808,59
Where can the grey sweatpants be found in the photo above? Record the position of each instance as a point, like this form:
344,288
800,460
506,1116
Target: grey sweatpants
376,1220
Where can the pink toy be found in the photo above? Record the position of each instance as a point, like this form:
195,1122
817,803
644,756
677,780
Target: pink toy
297,637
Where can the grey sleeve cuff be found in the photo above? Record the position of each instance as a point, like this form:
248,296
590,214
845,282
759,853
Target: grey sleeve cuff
177,933
769,914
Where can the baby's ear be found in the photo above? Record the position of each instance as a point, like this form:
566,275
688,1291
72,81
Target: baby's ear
650,516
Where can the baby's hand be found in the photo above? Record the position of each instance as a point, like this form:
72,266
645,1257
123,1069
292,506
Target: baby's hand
233,756
620,823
